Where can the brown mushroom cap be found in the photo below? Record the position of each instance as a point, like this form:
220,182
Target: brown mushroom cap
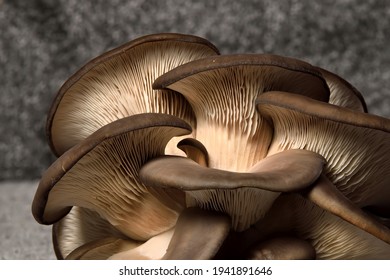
355,145
265,72
343,93
153,249
198,235
118,84
194,150
102,249
331,236
101,173
222,91
79,227
327,196
215,189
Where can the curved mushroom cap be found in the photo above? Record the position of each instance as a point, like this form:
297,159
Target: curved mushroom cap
81,226
118,84
222,91
182,242
198,235
343,93
120,249
84,234
355,145
283,248
101,173
246,197
331,236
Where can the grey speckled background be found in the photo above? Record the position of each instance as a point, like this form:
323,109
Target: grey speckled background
42,42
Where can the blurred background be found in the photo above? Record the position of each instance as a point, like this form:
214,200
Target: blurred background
43,42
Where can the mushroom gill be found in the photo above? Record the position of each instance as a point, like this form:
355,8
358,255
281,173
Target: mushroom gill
118,84
168,150
222,91
101,174
330,236
342,93
355,145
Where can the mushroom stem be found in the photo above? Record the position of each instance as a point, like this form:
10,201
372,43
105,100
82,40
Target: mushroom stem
198,235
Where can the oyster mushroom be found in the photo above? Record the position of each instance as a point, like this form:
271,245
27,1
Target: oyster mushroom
79,227
180,242
118,84
222,91
343,93
271,169
355,145
101,174
331,237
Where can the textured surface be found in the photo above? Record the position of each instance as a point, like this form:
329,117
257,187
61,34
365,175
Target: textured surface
21,237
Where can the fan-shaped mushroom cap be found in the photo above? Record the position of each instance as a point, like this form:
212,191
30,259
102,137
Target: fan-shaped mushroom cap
79,227
222,91
102,249
101,173
327,196
198,235
118,84
291,170
332,237
182,242
343,93
355,145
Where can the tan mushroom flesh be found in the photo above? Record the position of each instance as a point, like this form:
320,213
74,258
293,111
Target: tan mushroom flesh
222,91
331,236
355,145
289,171
101,174
79,227
118,84
343,93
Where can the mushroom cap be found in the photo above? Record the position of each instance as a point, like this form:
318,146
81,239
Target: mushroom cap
272,72
222,91
244,196
355,145
194,150
324,194
342,93
81,226
101,173
198,235
331,236
118,84
102,249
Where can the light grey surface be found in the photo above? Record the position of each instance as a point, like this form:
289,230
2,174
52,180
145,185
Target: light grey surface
21,237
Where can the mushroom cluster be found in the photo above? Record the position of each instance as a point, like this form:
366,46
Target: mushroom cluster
169,150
